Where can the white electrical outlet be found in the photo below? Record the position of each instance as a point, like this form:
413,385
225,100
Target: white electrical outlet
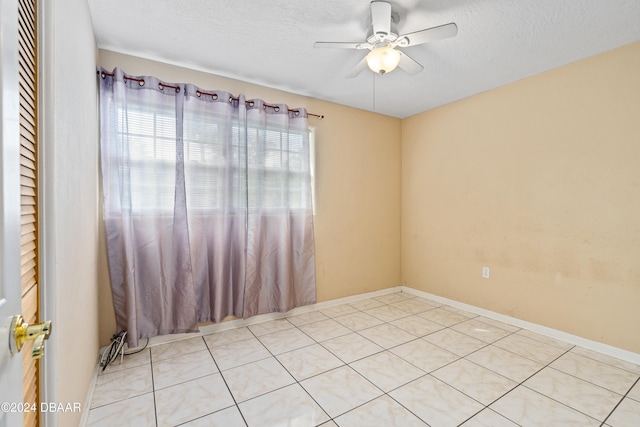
485,272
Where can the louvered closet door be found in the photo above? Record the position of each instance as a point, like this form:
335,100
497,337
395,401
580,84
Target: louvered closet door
28,69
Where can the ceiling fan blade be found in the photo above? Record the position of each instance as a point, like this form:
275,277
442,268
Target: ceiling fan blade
429,35
381,18
408,64
359,68
341,45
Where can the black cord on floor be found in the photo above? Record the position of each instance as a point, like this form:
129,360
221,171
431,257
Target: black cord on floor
137,351
117,348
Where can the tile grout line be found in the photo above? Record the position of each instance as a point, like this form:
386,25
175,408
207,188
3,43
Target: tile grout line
487,345
120,400
521,384
384,393
235,402
425,372
345,364
384,349
621,400
348,364
153,388
294,378
296,381
485,407
548,365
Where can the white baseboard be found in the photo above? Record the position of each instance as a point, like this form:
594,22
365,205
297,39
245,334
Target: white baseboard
232,324
543,330
239,323
89,398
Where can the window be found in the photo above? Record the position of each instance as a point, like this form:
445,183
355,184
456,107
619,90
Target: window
219,171
207,205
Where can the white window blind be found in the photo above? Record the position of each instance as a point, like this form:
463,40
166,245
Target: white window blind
217,166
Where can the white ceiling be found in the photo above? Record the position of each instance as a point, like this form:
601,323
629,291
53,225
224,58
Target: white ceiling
271,43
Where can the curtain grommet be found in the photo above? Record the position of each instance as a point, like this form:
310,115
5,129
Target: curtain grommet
214,96
141,82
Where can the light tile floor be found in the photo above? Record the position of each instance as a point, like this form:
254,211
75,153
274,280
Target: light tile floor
393,360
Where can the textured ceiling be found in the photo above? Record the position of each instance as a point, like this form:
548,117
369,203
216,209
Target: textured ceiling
271,43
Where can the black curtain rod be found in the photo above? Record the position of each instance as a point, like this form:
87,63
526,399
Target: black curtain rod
214,95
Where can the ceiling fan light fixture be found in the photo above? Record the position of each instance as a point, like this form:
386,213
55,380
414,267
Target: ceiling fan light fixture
383,59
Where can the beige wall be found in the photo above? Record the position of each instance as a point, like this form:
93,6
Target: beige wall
358,159
540,181
536,180
70,211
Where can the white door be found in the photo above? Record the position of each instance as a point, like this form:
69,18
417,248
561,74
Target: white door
10,303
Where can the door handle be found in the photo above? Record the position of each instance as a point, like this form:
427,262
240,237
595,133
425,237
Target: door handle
23,332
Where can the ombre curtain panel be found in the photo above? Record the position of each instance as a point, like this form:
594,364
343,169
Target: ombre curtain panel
207,205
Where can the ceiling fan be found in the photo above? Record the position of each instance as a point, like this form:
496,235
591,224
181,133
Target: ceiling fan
382,43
